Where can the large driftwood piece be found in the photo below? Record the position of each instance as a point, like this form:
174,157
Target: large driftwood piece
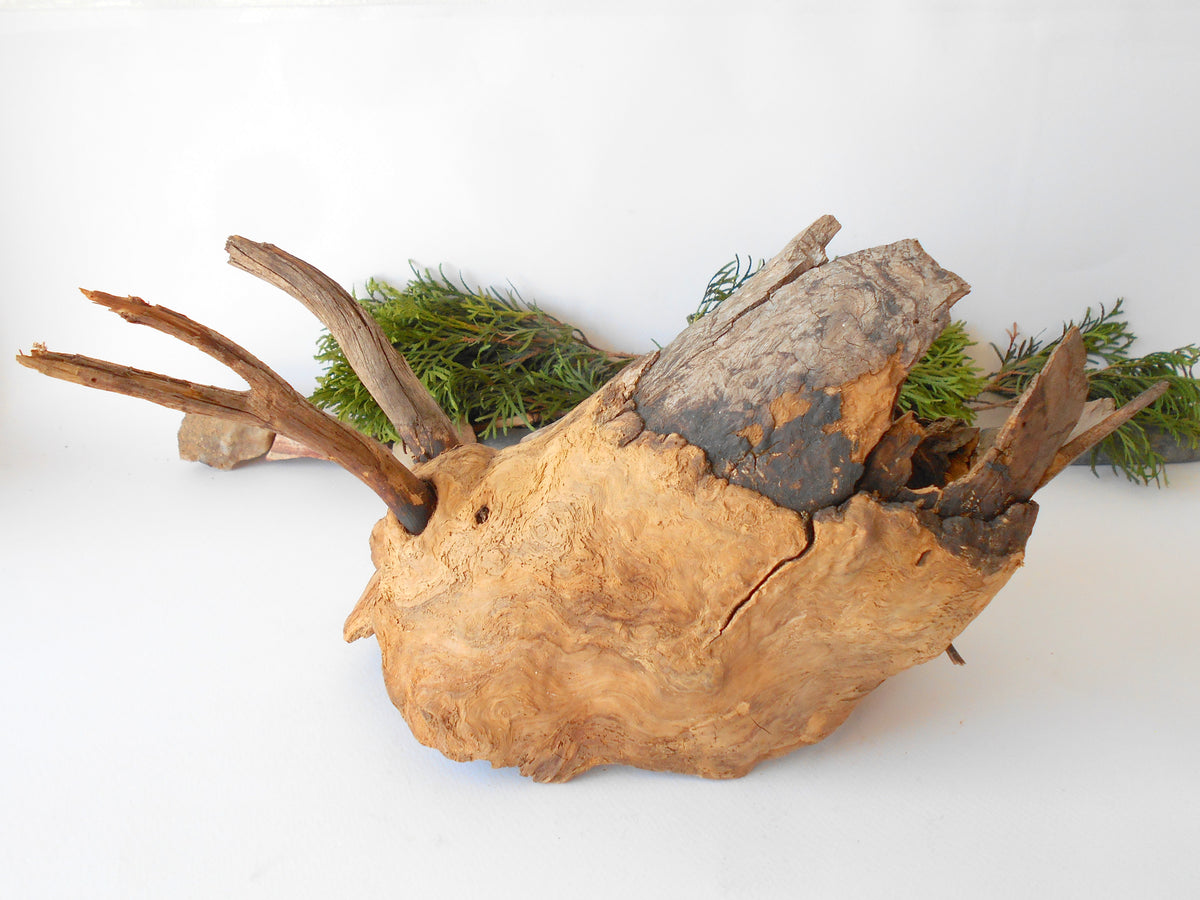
710,561
574,621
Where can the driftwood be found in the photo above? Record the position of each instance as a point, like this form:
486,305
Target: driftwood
706,564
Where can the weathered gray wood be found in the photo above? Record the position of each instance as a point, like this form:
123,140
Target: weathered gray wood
424,429
791,383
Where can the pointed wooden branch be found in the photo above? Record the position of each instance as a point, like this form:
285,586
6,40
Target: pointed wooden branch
424,428
1088,439
1016,464
270,402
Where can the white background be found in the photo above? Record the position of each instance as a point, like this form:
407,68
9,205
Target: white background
178,714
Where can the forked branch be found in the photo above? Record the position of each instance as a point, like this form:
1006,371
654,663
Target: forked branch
423,427
269,403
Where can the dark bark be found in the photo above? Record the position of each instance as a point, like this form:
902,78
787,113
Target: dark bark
791,383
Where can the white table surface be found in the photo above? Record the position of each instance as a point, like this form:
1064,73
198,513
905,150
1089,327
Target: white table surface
182,718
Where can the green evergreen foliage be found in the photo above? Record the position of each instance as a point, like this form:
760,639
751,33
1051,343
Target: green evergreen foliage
487,356
494,360
722,285
944,380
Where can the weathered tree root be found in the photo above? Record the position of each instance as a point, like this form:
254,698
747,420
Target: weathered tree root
706,564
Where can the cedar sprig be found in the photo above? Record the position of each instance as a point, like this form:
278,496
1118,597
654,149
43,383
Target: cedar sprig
944,380
488,357
725,281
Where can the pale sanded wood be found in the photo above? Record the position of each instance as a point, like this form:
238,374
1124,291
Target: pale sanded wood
585,598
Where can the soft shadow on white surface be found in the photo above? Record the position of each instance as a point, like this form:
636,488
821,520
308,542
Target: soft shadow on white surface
183,717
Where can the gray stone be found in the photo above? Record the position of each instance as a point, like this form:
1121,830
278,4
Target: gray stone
221,443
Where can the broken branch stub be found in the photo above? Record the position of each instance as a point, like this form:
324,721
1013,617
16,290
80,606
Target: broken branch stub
710,561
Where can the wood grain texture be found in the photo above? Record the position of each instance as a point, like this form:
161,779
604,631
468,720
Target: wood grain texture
620,603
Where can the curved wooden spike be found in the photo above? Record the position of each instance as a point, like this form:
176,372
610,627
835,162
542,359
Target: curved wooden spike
1098,432
424,428
1014,466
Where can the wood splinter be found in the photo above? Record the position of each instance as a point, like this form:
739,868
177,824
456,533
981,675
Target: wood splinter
706,564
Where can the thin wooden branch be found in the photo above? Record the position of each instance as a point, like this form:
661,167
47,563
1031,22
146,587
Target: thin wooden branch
1098,432
175,393
423,427
270,402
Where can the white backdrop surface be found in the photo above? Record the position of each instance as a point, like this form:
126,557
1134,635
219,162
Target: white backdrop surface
180,715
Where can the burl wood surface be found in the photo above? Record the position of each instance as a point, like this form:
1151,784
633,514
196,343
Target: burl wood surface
597,595
706,564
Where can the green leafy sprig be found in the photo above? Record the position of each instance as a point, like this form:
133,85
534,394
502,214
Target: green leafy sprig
488,357
494,360
724,283
944,380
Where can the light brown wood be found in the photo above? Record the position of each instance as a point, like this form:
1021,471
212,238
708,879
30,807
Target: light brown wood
607,592
706,564
585,598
